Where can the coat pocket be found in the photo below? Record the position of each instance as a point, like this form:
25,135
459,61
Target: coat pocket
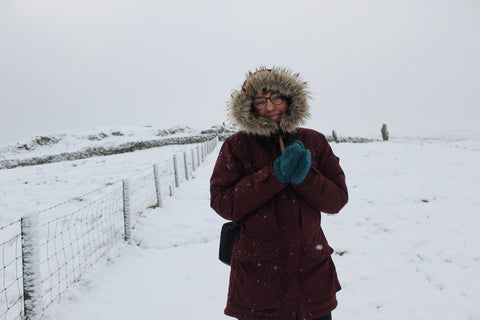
318,276
257,274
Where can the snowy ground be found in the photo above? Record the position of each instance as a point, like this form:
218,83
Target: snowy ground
37,188
407,244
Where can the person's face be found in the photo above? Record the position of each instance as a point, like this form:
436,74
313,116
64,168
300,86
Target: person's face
270,104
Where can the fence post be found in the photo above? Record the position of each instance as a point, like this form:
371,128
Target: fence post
193,160
172,189
127,221
175,171
186,164
156,174
31,267
198,156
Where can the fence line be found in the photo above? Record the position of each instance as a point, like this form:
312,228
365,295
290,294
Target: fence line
44,254
11,293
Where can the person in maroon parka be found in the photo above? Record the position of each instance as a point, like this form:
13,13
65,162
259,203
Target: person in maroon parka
275,179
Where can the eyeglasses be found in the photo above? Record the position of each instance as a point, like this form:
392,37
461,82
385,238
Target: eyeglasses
261,102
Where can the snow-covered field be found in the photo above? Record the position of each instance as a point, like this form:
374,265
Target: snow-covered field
407,244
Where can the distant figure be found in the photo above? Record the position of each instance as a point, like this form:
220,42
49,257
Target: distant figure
275,179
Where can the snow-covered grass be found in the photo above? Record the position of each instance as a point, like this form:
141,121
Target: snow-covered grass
407,243
75,140
87,143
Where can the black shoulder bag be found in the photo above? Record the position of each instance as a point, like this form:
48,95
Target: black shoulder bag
228,235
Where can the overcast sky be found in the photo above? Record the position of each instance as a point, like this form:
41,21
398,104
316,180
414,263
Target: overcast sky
70,64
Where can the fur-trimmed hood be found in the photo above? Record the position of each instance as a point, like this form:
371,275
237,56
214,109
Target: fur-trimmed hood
263,80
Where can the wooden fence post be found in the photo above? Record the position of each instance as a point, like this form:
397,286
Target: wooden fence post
127,220
158,190
31,267
193,160
175,171
185,161
198,155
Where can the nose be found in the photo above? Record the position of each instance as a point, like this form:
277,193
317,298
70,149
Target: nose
269,106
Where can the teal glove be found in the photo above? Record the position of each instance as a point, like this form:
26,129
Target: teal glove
293,165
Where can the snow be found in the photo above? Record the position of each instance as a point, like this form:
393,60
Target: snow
75,140
82,144
406,245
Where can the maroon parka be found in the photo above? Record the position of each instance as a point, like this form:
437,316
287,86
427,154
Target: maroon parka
281,266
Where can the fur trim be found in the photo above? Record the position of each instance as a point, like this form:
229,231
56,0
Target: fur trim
282,80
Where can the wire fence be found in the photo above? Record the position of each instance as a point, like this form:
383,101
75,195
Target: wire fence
45,253
11,303
142,191
71,243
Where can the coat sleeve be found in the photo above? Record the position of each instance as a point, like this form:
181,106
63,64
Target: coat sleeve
234,195
324,187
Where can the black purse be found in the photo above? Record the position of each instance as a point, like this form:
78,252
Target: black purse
228,236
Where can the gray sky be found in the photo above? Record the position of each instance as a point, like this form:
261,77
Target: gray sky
70,64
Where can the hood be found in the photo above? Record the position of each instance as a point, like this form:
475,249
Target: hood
282,80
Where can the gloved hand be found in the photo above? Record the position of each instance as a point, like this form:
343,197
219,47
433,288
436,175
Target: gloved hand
293,165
